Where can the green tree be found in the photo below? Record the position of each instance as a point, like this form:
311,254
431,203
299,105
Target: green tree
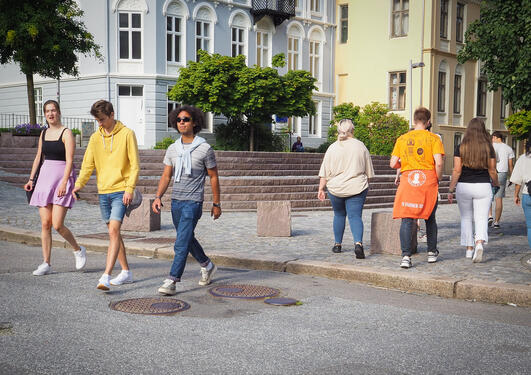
43,37
519,124
226,85
501,40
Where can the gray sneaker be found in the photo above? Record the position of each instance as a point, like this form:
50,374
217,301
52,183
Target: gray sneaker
168,288
432,256
406,262
206,276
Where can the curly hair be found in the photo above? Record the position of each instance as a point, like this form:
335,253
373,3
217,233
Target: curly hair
198,118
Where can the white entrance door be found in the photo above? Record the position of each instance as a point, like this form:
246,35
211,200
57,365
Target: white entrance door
131,110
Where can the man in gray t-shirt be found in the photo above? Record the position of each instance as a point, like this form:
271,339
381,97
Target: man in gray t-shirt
187,162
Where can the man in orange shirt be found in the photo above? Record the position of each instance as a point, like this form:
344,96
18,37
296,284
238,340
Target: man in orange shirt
419,155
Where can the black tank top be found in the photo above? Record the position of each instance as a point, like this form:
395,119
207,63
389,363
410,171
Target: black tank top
53,150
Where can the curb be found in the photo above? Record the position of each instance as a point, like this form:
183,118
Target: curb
447,287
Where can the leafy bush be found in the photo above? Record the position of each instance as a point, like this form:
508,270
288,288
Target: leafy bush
164,144
519,124
340,112
76,132
234,136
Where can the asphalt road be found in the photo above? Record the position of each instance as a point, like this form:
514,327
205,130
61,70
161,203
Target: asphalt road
61,324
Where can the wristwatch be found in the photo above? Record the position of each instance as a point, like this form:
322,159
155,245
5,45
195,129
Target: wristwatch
218,205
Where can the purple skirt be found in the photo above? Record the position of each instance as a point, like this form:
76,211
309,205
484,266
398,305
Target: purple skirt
50,176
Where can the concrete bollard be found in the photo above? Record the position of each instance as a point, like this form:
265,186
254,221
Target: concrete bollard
142,219
274,219
385,234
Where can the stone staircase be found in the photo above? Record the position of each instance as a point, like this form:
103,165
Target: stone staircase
245,178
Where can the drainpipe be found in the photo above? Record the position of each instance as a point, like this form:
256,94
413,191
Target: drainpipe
422,52
108,53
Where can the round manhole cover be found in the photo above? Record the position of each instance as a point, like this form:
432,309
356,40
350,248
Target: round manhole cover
150,306
280,301
243,291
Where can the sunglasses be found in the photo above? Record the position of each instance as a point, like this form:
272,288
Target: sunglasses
183,119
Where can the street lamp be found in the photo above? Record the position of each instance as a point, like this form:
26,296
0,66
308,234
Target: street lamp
411,67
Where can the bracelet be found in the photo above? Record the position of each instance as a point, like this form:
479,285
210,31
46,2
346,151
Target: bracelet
218,205
157,197
451,191
32,179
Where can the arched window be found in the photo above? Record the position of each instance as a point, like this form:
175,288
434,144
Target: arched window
442,87
205,18
317,40
130,28
264,35
176,13
239,23
295,37
458,89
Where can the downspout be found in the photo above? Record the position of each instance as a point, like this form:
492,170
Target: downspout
108,78
422,52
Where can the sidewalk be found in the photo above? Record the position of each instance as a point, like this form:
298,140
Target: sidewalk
503,276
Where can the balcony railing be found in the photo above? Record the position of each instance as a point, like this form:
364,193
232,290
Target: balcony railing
278,10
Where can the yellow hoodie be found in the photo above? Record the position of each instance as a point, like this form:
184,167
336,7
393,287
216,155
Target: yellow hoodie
115,157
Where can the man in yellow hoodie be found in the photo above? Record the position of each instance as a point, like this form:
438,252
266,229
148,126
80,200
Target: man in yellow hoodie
113,152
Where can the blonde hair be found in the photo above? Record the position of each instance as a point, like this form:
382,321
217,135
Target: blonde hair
345,129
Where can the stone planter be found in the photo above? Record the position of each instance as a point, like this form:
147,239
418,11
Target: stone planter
25,141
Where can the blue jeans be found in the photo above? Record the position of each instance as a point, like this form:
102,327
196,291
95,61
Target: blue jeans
351,207
431,233
185,215
112,206
526,205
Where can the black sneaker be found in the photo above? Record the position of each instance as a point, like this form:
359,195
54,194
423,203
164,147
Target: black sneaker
336,249
358,250
491,220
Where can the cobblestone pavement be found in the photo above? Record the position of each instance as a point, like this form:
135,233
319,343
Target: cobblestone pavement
312,238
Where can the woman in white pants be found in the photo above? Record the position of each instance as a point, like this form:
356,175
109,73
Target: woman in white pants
474,178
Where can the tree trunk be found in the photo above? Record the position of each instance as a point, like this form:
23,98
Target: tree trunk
31,98
251,137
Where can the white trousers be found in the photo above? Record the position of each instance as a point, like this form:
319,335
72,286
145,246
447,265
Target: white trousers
474,203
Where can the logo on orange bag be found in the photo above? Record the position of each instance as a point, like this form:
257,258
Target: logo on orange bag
416,178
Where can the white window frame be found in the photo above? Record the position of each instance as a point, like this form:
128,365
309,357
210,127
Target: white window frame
240,45
203,38
176,34
463,22
315,130
444,27
401,13
240,21
173,104
262,47
315,7
316,60
397,85
39,110
340,23
130,29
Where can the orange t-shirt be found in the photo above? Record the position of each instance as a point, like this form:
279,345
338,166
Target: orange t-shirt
416,149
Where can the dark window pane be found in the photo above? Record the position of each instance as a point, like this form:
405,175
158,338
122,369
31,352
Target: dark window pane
177,48
234,53
124,45
170,107
124,19
137,90
169,47
169,23
137,49
240,32
206,29
233,34
198,28
177,24
135,20
124,90
344,11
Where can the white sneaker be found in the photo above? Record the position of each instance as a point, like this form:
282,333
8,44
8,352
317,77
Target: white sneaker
206,275
168,288
432,256
81,257
478,253
43,269
103,282
406,262
469,253
124,277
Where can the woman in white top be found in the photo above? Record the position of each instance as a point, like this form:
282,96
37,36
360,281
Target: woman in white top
521,178
345,173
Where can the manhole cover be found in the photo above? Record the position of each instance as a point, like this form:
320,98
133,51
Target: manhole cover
105,236
150,306
279,301
243,291
159,240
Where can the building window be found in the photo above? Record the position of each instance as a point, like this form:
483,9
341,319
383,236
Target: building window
315,60
400,16
174,39
126,90
457,94
460,23
315,6
503,107
294,51
444,19
238,41
457,139
262,48
441,102
171,105
343,23
481,109
202,37
313,121
130,28
397,91
37,93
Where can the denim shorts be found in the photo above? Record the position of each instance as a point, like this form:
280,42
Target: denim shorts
112,206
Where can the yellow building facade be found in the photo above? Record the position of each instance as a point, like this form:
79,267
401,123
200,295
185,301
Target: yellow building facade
404,53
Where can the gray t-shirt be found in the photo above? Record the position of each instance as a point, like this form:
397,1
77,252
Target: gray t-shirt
191,188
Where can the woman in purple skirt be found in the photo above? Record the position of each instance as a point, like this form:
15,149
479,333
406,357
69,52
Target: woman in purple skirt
53,190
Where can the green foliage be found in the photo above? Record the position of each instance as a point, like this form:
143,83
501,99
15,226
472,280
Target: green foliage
373,125
234,136
226,85
164,144
76,132
279,60
500,39
519,124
